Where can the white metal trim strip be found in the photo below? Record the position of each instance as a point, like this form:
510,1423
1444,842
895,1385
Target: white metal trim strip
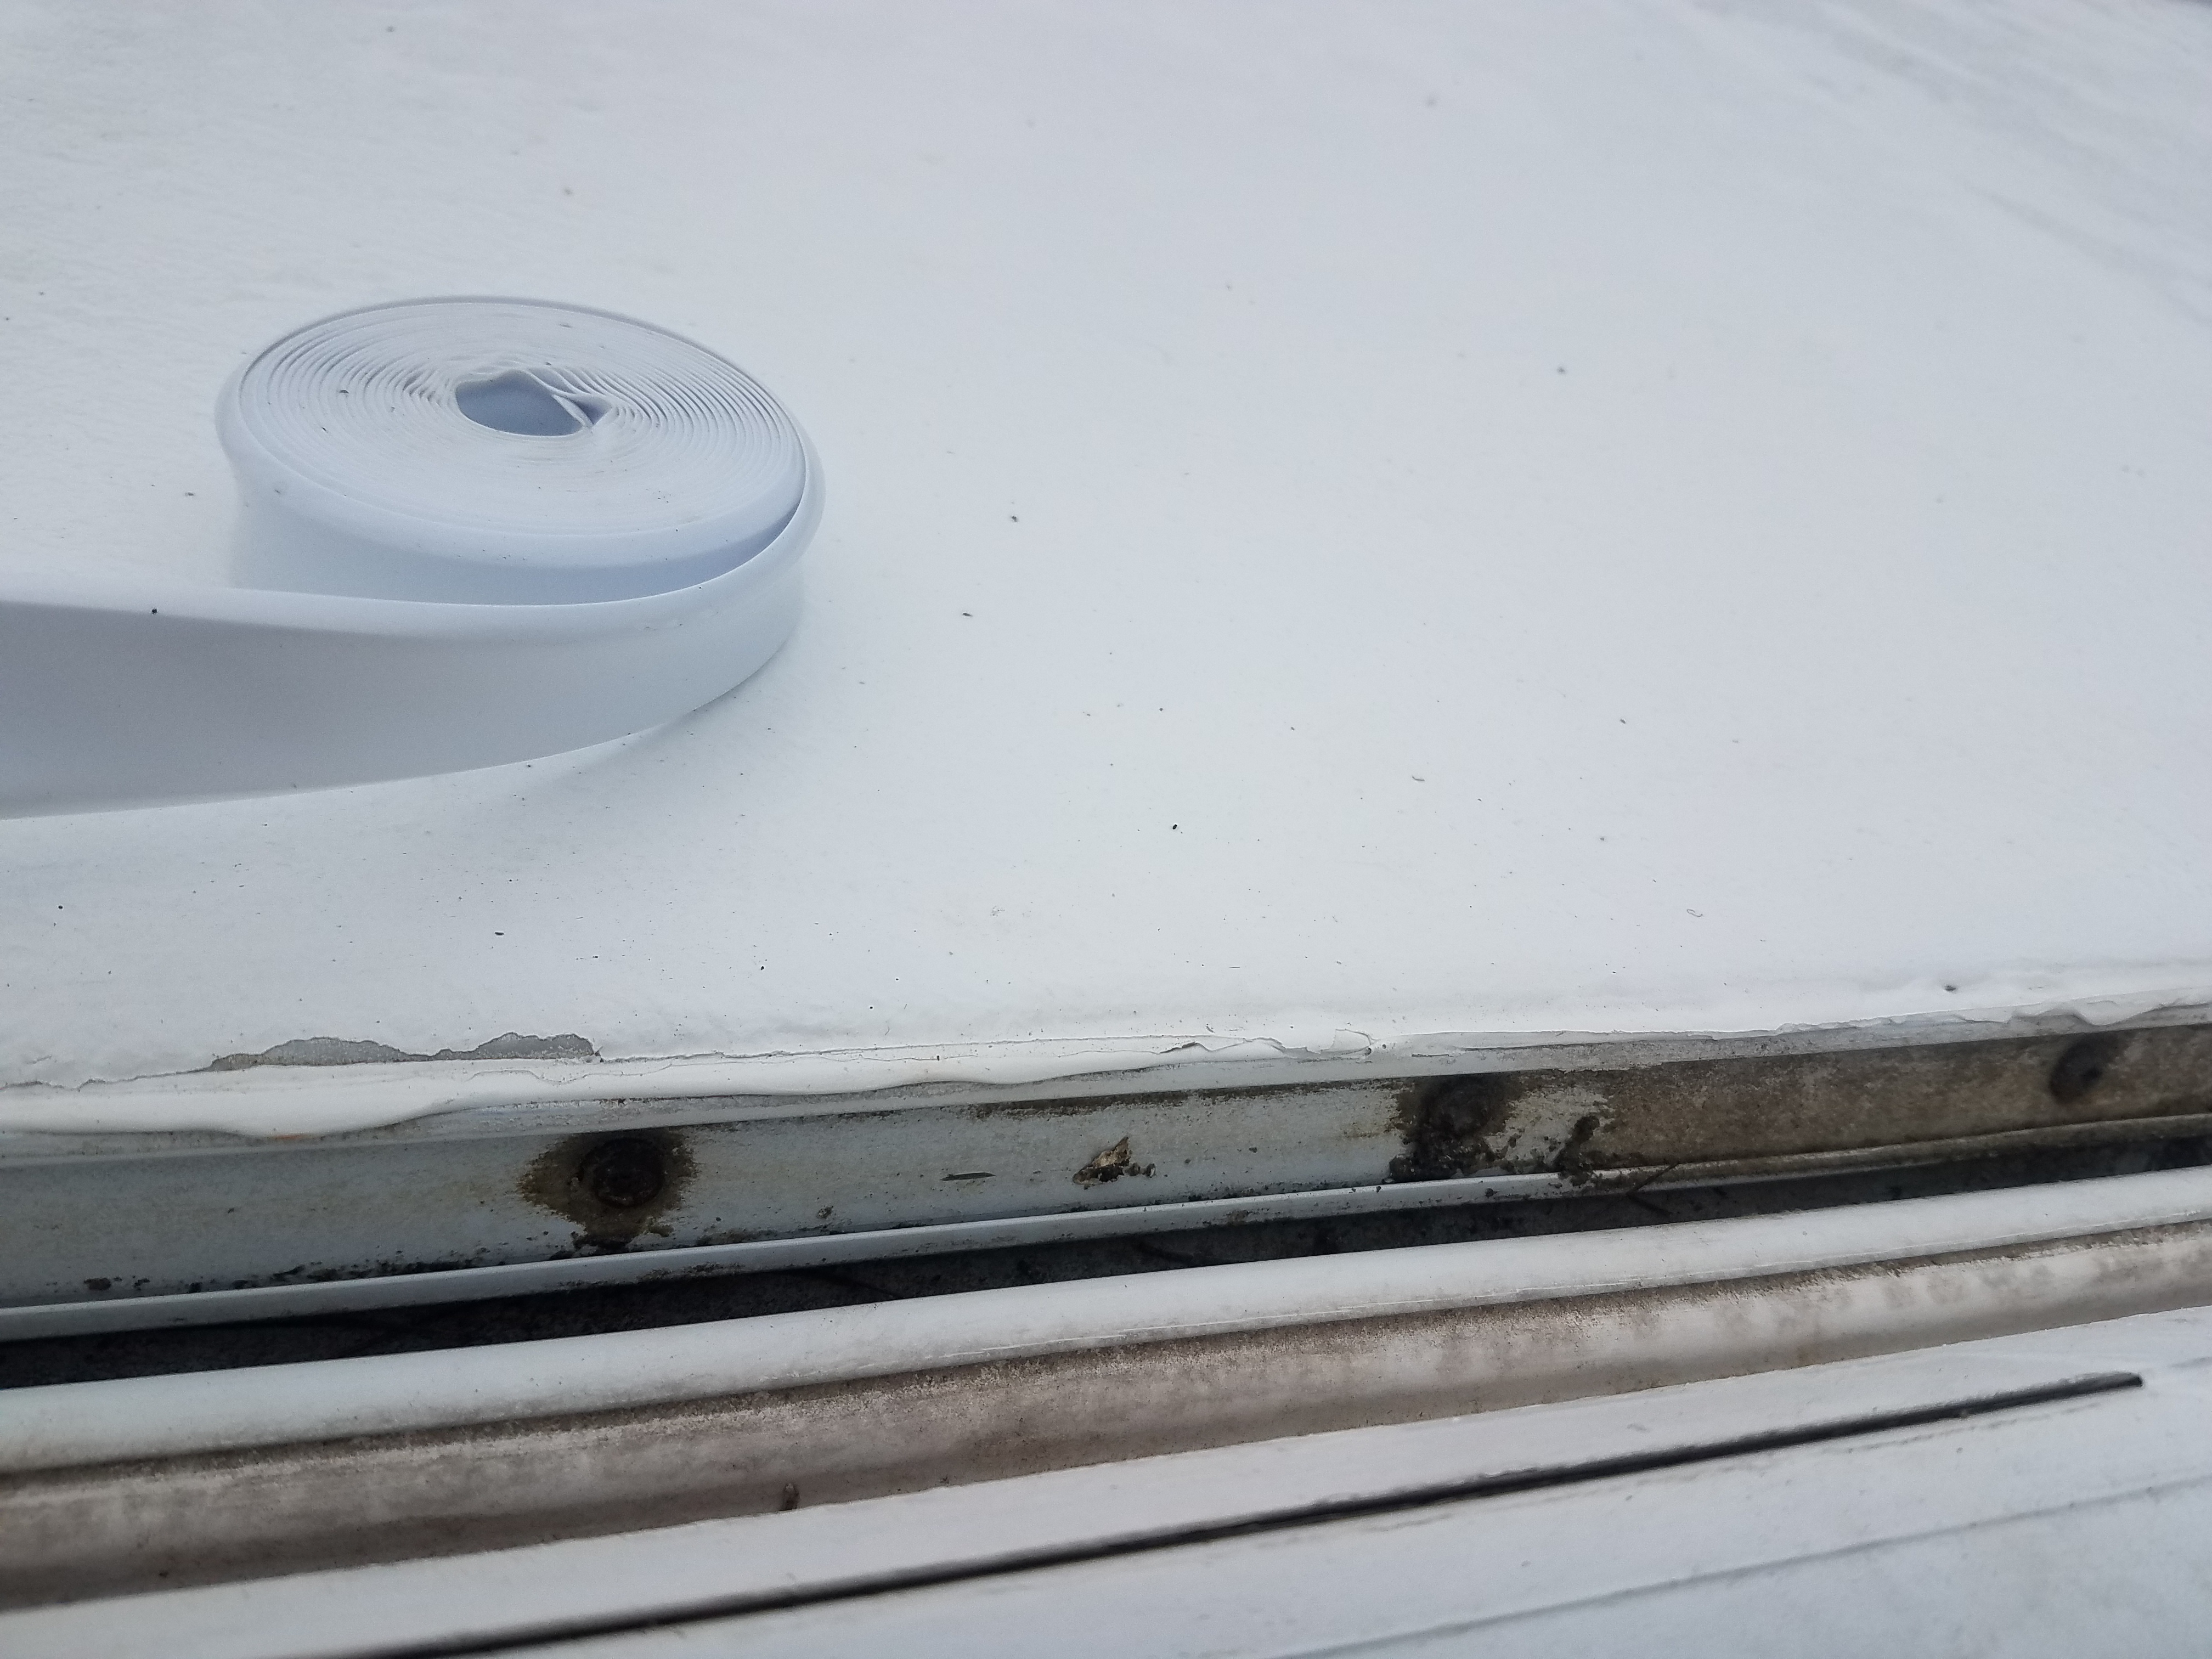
77,1423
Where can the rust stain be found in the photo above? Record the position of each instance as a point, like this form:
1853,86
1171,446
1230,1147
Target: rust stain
2083,1066
1110,1165
612,1187
1746,1111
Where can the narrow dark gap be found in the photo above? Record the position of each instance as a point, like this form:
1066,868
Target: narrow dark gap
744,1295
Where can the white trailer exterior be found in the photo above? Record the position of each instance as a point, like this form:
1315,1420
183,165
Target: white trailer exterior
1429,624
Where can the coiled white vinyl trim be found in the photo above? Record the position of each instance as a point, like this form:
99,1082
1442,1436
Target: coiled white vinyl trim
474,531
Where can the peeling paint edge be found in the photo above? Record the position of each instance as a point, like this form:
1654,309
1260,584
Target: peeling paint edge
327,1051
279,1102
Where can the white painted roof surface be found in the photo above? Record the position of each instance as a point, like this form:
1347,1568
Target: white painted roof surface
1354,532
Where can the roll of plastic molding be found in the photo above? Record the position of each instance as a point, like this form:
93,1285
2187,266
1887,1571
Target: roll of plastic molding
471,532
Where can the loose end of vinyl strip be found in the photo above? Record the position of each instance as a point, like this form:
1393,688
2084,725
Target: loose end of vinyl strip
471,531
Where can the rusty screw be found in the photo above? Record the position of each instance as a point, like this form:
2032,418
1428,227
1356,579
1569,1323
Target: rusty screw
623,1174
2083,1067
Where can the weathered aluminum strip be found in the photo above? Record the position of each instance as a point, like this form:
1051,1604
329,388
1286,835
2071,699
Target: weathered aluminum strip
758,1255
420,1214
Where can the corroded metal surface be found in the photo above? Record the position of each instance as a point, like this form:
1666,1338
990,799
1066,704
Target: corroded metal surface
1750,1112
404,1201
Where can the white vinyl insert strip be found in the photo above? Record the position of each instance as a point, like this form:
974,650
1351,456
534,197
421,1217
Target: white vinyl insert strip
471,532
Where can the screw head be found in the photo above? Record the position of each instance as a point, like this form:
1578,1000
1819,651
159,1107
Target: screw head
2083,1067
623,1174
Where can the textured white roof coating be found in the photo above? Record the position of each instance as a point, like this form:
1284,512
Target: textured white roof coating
1353,531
